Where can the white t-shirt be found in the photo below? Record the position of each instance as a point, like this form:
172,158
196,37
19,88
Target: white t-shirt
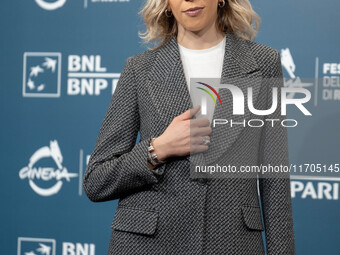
205,63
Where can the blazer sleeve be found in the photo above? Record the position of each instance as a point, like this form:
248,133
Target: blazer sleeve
275,188
117,165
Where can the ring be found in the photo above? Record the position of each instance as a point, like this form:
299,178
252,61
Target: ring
205,140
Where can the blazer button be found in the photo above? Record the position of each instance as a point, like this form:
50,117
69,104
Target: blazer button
155,186
202,181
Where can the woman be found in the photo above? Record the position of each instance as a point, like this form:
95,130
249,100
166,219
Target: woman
161,209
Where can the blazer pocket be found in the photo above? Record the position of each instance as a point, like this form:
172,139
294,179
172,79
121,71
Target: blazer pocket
252,217
135,220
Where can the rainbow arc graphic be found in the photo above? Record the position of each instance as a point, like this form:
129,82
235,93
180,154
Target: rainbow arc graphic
204,103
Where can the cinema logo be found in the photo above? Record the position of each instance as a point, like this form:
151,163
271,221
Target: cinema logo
45,167
56,4
85,75
239,104
50,6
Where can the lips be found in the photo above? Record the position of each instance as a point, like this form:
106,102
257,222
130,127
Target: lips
193,9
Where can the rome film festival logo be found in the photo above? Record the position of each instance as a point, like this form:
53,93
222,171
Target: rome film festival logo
41,74
34,172
289,65
50,6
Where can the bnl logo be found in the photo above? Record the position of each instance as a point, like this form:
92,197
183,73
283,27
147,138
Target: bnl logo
44,246
41,74
36,246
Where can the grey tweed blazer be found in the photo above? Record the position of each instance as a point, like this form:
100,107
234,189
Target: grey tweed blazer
165,211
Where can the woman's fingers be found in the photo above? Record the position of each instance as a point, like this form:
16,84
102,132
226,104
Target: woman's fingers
198,140
200,131
188,114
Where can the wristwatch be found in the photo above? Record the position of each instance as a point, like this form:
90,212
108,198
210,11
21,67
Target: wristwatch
152,157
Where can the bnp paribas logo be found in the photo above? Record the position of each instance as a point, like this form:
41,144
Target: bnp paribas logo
41,74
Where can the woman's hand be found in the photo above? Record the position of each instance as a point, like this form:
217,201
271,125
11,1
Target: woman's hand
183,136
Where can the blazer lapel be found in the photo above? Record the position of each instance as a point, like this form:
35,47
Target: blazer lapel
166,83
169,91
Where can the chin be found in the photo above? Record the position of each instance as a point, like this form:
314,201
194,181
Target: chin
194,28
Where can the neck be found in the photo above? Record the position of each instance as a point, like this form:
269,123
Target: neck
199,40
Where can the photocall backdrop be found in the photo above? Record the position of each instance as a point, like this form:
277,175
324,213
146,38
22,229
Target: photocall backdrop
60,62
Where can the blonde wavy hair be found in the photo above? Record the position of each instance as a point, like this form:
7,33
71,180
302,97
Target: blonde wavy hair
236,16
